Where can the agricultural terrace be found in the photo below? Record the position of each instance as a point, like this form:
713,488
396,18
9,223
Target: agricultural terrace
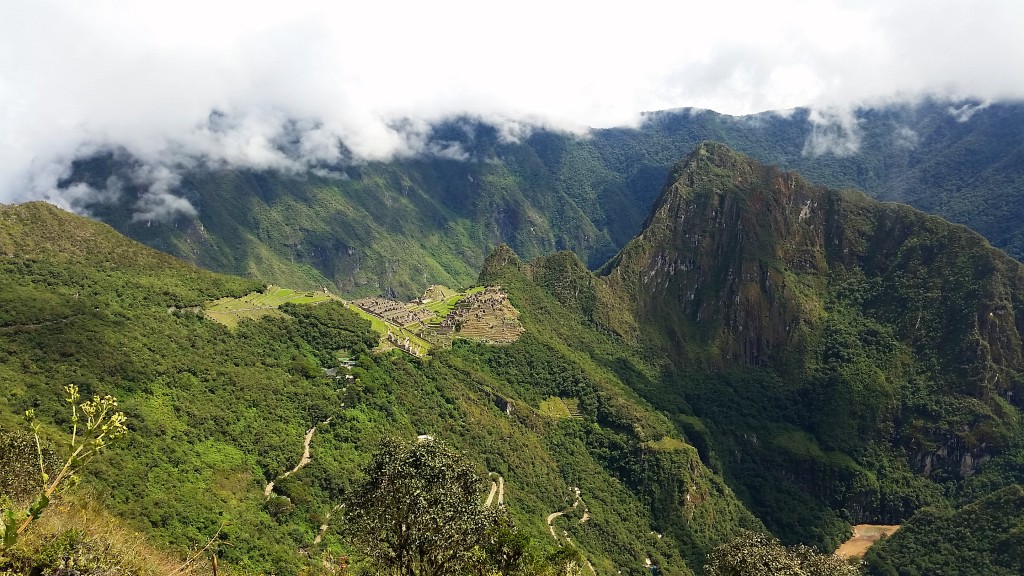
441,302
483,315
229,311
398,334
555,407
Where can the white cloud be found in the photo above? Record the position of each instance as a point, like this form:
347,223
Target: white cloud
906,137
288,83
834,130
963,112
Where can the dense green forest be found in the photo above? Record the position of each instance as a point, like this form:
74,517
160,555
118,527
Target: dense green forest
395,227
983,537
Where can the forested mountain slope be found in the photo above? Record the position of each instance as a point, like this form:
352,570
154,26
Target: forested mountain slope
981,538
393,227
862,356
214,414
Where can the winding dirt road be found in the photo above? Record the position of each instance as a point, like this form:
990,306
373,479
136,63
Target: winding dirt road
551,527
303,461
497,489
586,516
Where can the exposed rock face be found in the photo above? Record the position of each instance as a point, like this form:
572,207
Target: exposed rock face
721,252
744,264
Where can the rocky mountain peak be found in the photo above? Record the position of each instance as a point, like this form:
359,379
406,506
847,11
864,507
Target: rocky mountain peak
718,253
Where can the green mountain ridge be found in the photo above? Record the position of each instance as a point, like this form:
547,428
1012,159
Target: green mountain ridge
748,251
392,228
859,358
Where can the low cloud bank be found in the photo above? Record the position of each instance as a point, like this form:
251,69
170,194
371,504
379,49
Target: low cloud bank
313,85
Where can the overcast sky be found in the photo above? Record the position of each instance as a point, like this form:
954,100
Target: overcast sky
78,76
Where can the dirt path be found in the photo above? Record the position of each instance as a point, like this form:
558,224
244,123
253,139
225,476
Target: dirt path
497,489
576,504
864,536
325,525
303,461
551,527
586,516
490,495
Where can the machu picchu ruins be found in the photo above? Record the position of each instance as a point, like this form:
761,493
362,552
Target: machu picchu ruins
441,314
486,315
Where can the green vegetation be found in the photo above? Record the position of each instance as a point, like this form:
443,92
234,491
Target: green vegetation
228,311
759,555
983,537
100,426
90,540
330,330
419,512
767,356
216,413
554,407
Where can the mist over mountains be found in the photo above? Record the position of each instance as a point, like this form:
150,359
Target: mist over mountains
471,185
173,81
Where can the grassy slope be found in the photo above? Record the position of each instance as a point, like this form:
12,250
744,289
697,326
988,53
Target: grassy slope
229,311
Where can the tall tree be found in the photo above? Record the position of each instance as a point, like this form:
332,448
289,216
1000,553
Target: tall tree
754,554
419,511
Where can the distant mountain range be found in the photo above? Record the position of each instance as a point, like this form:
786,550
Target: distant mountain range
393,228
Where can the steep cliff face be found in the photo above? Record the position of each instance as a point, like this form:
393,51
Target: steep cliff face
740,262
731,258
886,323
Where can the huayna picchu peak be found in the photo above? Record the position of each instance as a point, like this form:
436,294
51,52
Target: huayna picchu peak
726,254
832,324
740,261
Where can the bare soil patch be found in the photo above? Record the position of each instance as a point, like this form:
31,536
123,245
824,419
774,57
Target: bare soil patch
864,535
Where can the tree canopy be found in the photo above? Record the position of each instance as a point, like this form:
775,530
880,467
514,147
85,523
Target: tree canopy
754,554
419,512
